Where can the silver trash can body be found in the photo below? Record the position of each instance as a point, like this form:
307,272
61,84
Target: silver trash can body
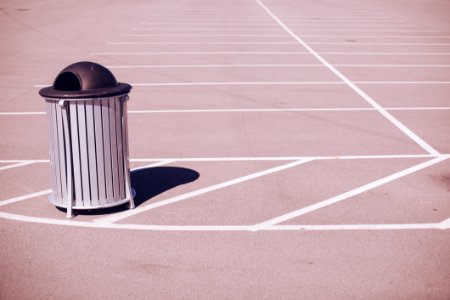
89,152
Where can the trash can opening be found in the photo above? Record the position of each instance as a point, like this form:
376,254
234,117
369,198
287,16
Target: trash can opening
67,81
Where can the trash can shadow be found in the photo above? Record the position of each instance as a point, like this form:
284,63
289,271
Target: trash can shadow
148,183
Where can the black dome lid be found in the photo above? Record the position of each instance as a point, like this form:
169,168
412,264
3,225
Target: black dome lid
85,80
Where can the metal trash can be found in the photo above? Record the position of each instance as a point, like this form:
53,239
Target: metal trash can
86,110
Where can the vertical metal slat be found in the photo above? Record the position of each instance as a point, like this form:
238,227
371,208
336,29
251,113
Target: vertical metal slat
62,154
92,152
56,153
51,133
82,133
76,154
68,155
120,147
99,152
107,151
113,146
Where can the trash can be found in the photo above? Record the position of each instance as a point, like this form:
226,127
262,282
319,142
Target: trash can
88,137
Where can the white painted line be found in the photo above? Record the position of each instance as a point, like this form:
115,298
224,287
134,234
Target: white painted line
357,43
20,164
156,164
384,36
402,82
215,66
129,213
391,66
349,194
203,53
275,29
264,53
444,224
355,88
8,161
270,66
379,36
168,84
250,110
350,43
271,25
290,158
30,113
207,24
355,227
143,84
24,197
65,222
349,25
210,22
418,108
200,35
306,30
385,53
212,228
263,110
264,158
199,43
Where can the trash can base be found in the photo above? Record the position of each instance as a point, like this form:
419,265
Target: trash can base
53,200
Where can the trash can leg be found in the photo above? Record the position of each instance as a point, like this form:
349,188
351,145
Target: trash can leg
68,160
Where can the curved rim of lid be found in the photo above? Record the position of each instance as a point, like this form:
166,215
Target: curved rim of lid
120,89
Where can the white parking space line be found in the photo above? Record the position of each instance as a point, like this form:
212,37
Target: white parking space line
215,66
24,197
129,213
275,66
265,110
200,35
197,43
262,158
356,43
209,228
354,87
346,227
444,224
349,194
268,53
278,29
169,84
203,29
254,110
203,53
20,164
385,53
156,164
19,113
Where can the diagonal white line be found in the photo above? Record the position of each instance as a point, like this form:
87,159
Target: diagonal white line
129,213
349,194
209,228
444,224
354,87
24,197
21,164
